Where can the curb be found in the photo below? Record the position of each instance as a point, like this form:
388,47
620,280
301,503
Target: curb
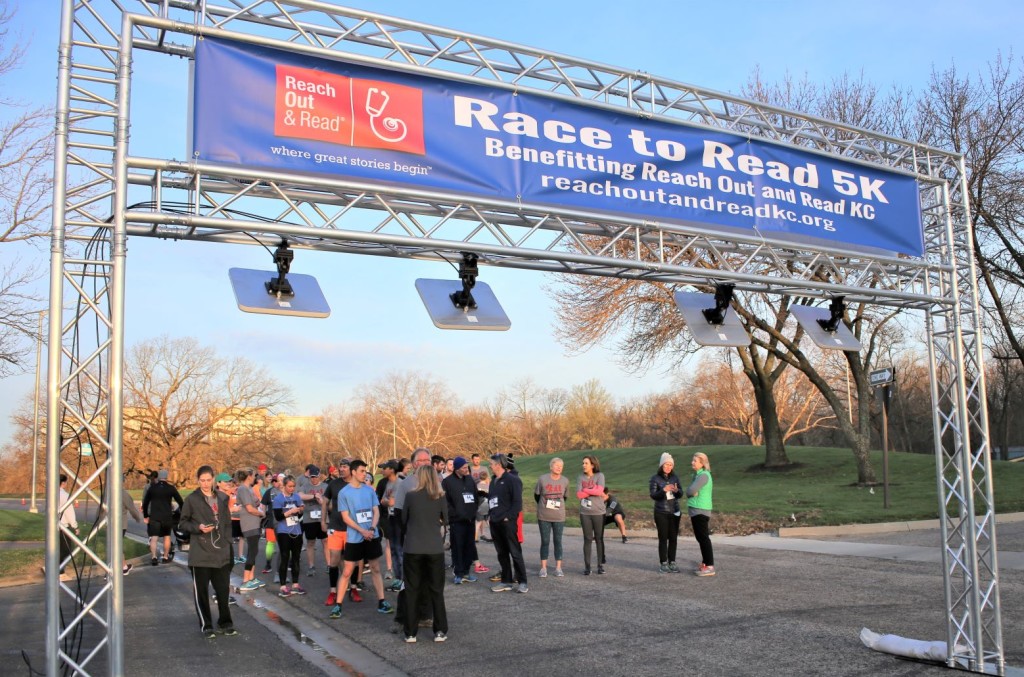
37,577
880,527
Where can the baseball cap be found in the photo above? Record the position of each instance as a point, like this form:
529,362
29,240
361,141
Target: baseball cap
393,464
314,471
223,477
262,467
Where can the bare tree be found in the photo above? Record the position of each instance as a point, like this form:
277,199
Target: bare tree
26,156
181,397
411,410
588,416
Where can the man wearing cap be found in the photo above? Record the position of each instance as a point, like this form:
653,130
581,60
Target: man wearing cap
311,491
506,502
461,496
336,528
158,515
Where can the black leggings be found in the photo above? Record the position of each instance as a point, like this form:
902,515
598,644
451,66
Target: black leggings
700,532
291,548
593,532
252,543
668,534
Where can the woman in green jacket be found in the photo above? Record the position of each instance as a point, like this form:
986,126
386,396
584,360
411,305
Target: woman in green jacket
698,505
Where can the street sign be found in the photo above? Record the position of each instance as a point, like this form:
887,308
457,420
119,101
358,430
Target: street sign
86,449
882,376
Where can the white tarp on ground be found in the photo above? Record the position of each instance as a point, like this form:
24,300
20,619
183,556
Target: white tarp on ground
901,646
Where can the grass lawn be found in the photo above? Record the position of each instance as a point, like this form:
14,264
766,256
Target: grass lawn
19,525
819,490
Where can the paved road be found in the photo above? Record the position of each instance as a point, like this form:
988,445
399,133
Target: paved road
768,612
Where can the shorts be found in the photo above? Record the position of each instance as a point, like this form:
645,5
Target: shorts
363,550
158,528
313,531
336,539
610,519
236,528
271,536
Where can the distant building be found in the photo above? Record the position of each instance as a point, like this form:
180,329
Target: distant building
245,421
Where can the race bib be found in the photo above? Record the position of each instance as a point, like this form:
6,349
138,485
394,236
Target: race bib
669,495
586,503
314,514
391,511
364,516
553,505
493,503
291,520
468,498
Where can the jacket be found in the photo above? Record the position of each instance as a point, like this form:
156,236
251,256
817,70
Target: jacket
455,488
662,503
211,550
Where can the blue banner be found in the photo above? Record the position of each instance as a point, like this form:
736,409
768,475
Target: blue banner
263,107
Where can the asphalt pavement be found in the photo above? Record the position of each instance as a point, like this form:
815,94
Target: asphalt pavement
769,611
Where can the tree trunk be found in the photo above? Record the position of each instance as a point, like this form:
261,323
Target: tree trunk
763,382
860,443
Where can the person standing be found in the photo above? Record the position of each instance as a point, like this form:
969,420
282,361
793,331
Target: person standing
460,497
158,515
337,534
506,503
392,530
68,518
590,491
250,514
206,517
551,493
311,491
424,514
360,512
267,502
665,490
698,505
288,508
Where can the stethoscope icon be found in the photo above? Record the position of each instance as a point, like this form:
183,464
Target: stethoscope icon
394,130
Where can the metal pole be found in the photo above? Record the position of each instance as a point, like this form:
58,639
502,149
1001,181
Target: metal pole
35,414
53,352
885,446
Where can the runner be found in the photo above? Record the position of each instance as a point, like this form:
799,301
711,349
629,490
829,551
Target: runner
267,501
590,491
698,505
360,512
288,508
311,491
336,530
250,515
551,492
506,503
158,515
461,496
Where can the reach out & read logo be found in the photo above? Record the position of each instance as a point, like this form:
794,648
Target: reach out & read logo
313,104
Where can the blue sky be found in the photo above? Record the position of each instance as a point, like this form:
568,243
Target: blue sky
378,323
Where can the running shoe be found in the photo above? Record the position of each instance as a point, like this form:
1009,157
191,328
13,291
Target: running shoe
285,591
335,611
249,586
266,571
354,595
457,580
559,573
440,636
228,632
332,599
238,560
410,639
586,572
127,569
154,561
311,572
232,601
470,578
388,575
663,569
543,572
706,570
396,586
384,607
208,633
600,570
360,586
496,578
298,589
502,587
481,569
673,568
522,589
260,583
366,569
170,558
625,540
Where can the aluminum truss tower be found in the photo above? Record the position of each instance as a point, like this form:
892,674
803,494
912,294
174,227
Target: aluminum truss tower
95,174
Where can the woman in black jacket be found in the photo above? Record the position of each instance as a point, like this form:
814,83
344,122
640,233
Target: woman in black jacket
665,492
205,515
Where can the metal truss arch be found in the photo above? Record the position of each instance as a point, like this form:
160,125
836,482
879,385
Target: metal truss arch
95,173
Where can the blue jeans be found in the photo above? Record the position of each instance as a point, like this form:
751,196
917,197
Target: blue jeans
546,529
